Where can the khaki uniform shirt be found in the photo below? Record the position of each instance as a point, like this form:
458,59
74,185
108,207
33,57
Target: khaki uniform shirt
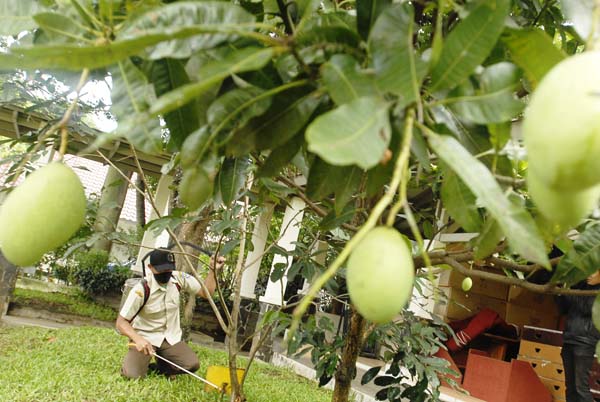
159,319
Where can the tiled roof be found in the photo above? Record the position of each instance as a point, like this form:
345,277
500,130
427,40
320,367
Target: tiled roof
92,176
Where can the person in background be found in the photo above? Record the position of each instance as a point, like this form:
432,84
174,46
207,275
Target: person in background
153,326
580,337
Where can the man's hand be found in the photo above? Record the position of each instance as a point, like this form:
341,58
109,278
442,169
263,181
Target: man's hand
594,279
142,345
214,266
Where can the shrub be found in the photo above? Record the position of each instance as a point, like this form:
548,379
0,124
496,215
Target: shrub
96,276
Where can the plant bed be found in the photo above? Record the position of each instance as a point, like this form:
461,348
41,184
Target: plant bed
82,364
59,305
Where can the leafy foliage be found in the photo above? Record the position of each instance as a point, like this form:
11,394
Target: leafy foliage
95,275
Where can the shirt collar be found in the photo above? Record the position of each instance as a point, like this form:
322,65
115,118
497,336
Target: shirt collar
155,286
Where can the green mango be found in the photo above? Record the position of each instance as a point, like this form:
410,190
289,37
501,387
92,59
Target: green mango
561,127
380,275
41,214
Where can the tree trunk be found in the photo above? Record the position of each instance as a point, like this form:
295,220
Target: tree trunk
8,279
194,233
112,198
347,368
140,203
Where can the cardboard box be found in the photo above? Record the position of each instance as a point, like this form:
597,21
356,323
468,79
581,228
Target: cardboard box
463,305
540,351
537,301
480,286
557,388
522,316
543,335
545,368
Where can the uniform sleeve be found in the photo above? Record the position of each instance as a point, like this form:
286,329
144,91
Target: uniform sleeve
188,283
133,303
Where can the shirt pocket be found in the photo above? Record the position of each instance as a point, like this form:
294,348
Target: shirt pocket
153,311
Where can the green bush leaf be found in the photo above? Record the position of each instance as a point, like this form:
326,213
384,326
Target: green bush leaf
246,59
469,43
532,50
335,27
460,202
345,81
16,16
515,221
231,178
582,260
398,68
367,12
494,102
355,133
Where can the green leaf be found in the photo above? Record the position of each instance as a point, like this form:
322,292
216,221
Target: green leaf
370,375
494,102
345,81
398,68
325,179
337,27
175,17
235,108
286,117
167,75
195,146
346,187
579,13
333,220
532,50
16,16
280,157
131,96
515,221
134,40
231,178
59,28
596,312
489,237
469,43
367,12
460,202
246,59
355,133
582,260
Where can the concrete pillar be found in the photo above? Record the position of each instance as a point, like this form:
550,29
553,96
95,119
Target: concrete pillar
150,239
8,279
254,257
290,229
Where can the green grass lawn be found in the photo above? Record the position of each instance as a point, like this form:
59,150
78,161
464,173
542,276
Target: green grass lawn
76,304
82,364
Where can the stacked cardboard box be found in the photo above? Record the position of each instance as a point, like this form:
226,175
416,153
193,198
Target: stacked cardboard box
514,304
541,348
532,309
483,294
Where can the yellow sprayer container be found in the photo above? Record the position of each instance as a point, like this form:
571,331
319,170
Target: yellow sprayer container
219,375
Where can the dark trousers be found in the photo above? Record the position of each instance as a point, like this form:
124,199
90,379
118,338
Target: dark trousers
135,364
577,360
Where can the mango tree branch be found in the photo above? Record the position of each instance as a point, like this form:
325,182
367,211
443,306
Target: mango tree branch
381,205
548,288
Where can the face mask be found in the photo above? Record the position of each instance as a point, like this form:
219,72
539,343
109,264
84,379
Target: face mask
163,277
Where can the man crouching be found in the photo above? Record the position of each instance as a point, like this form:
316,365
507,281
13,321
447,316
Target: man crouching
150,316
